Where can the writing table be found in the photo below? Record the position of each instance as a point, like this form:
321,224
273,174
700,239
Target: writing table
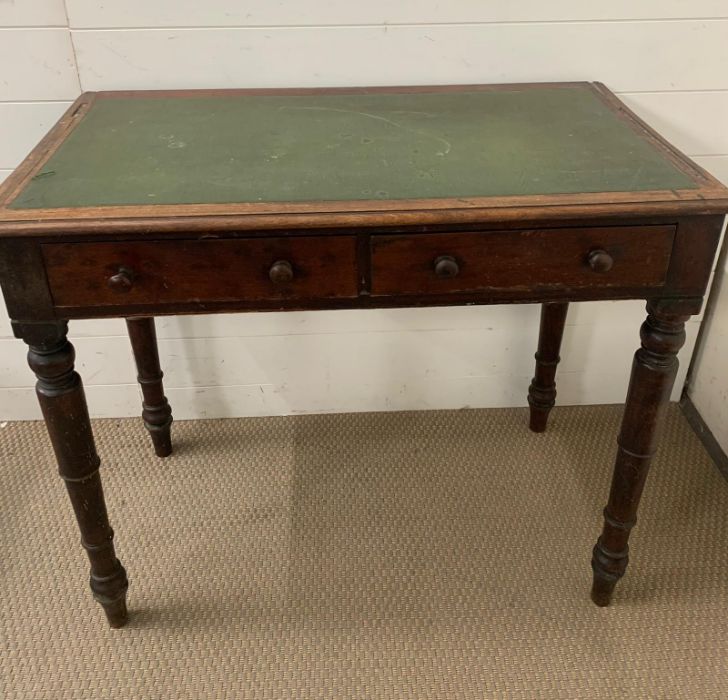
138,204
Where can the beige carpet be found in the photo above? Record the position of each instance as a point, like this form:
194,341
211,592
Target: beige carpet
401,555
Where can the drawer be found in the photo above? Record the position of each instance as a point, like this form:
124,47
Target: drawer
182,271
569,258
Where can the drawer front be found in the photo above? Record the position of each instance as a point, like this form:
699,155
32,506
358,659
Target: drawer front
182,271
540,259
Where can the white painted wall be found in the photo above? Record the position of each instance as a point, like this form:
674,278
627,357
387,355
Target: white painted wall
709,377
667,59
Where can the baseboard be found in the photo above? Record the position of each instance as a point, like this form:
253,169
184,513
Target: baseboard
704,434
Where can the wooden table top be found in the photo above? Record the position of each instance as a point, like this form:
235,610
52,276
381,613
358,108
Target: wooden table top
142,154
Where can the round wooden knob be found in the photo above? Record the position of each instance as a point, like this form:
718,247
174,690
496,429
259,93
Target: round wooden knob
446,266
122,281
600,261
281,271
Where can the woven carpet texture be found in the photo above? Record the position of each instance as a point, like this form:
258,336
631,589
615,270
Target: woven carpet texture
414,555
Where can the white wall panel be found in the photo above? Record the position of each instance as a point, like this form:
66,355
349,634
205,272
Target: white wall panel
32,13
23,125
709,389
695,122
374,392
709,381
715,165
636,56
37,64
396,359
192,13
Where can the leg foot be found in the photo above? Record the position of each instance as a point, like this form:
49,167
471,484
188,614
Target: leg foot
602,590
538,420
156,411
62,400
653,374
161,440
116,613
542,392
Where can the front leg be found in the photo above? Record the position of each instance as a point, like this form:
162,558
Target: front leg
62,400
653,375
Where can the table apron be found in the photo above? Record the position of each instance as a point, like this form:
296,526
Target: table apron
353,270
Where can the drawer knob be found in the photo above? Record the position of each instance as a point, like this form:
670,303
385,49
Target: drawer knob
281,271
446,266
122,281
600,260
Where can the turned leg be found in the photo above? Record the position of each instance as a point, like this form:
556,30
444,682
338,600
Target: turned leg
542,392
63,403
156,411
653,374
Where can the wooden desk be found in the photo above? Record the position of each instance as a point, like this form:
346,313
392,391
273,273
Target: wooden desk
138,204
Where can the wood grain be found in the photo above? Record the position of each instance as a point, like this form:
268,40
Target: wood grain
542,390
209,270
536,259
653,373
156,411
62,399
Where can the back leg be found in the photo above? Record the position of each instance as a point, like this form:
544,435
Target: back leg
156,411
542,392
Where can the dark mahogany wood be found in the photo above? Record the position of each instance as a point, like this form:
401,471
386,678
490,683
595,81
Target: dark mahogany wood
153,272
653,374
542,392
61,396
141,261
548,258
156,412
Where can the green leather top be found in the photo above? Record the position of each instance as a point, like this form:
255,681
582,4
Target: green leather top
276,148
